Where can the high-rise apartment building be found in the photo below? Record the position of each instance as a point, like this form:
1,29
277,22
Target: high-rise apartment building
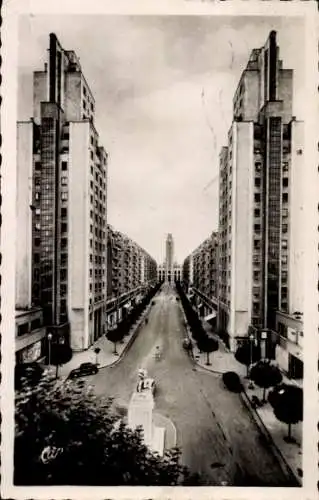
62,170
260,211
169,258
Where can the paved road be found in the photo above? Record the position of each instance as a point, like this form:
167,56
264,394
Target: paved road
216,432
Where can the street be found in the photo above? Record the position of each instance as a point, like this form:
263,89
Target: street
217,435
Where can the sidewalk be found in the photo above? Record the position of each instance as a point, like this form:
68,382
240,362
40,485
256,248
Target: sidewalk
289,454
106,356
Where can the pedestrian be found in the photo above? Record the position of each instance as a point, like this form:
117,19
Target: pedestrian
157,353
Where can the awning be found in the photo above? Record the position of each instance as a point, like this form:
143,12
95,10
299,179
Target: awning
210,316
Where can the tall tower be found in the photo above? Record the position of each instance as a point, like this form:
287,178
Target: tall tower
169,259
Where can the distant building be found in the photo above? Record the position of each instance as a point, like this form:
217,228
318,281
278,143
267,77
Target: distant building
161,272
177,272
61,205
200,276
260,202
188,273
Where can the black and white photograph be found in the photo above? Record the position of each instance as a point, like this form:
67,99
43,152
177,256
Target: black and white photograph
160,270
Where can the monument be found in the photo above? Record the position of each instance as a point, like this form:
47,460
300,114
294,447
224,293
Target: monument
140,413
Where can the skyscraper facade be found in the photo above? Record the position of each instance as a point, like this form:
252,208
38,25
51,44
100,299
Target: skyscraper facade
260,213
62,168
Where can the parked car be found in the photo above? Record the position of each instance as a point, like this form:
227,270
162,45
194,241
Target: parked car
84,369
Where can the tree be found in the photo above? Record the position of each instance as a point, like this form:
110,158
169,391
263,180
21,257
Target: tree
61,353
265,375
287,403
232,381
27,373
67,435
208,345
97,350
247,353
115,336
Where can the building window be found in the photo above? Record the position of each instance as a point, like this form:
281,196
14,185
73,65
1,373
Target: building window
257,244
64,227
37,166
257,228
64,212
36,258
285,166
285,228
38,227
35,324
64,181
257,197
92,155
37,242
63,290
284,244
64,165
23,329
285,197
285,182
64,259
64,196
63,274
257,181
257,212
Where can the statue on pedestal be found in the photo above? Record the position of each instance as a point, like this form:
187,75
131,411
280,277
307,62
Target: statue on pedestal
144,383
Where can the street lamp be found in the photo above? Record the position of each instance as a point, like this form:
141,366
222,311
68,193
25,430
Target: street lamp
251,340
263,344
49,340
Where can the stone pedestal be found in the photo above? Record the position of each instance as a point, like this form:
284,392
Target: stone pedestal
140,413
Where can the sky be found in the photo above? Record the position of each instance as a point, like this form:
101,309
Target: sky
163,87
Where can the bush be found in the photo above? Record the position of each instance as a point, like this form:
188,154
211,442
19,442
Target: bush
207,344
265,375
247,353
27,373
287,403
232,381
